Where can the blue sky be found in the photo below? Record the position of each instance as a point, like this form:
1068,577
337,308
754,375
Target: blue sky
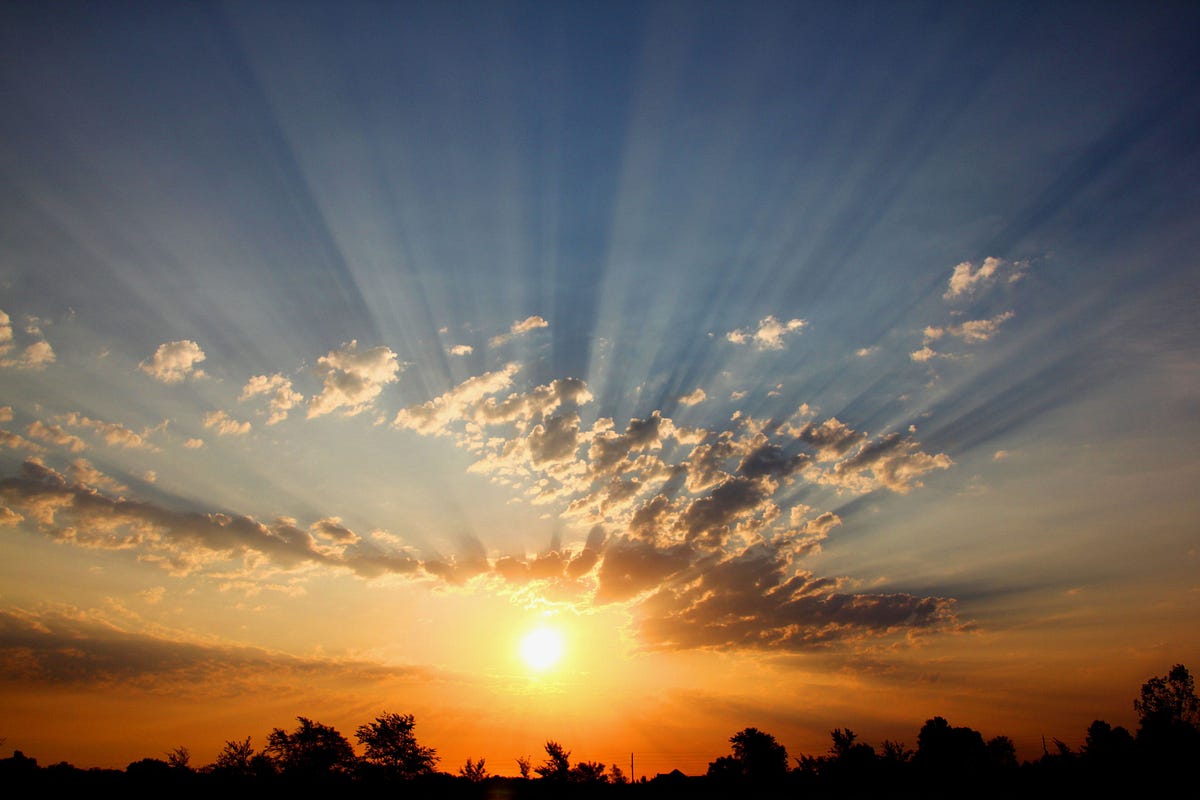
833,334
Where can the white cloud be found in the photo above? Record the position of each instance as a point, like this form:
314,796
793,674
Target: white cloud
694,398
966,280
281,398
461,350
194,444
352,379
174,361
225,425
519,327
863,352
769,335
458,403
112,432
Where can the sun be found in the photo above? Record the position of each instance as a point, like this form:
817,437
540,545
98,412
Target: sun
542,648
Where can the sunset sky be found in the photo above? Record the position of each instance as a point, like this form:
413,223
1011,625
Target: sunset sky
796,365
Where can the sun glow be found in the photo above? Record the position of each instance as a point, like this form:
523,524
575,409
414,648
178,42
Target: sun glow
542,648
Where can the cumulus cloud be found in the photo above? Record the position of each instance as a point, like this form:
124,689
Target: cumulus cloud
434,416
461,350
193,444
694,398
174,361
55,435
519,327
966,280
111,432
34,356
14,441
225,425
281,398
971,331
352,380
769,335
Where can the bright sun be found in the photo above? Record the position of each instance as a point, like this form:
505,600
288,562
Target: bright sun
542,648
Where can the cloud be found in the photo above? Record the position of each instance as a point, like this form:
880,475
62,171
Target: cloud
84,474
966,280
863,352
436,415
88,650
971,331
14,441
754,599
56,435
225,425
352,380
111,432
35,356
517,328
769,335
693,398
174,361
193,444
461,350
281,398
6,413
70,511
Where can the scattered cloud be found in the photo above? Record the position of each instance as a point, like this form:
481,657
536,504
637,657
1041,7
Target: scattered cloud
55,435
281,398
352,380
111,432
966,280
174,361
6,413
458,403
193,444
225,425
769,335
863,352
34,356
14,441
519,327
971,331
461,350
694,398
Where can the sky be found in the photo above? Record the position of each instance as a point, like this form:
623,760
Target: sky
787,365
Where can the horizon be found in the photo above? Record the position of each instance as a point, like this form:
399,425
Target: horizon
618,374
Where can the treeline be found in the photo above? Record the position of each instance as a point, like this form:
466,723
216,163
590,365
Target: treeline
947,761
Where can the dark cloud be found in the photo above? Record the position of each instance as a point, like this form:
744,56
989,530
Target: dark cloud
68,648
755,599
631,567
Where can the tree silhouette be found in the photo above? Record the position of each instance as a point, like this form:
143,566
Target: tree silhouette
179,757
390,742
312,748
1169,725
235,757
557,766
524,765
474,771
757,757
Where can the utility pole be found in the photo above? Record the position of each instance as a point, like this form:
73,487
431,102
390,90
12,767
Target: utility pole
632,776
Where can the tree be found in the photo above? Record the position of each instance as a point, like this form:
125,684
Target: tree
1169,701
757,757
235,757
390,742
179,757
312,748
473,771
946,750
525,765
1002,753
557,766
588,772
1169,724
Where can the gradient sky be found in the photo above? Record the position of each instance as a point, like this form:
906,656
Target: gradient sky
803,364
